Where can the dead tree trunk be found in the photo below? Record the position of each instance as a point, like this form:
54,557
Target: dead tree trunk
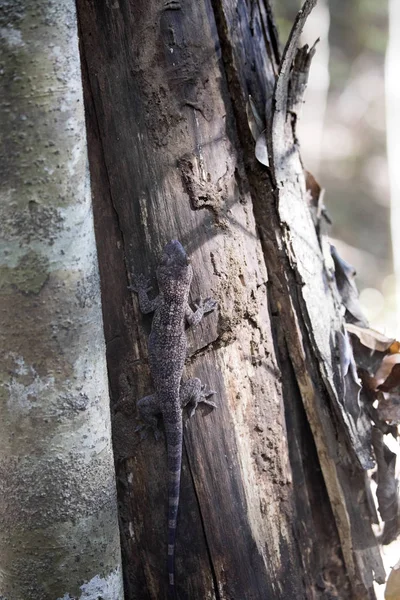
272,502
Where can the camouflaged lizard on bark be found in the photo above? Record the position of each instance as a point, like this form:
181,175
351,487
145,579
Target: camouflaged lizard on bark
167,353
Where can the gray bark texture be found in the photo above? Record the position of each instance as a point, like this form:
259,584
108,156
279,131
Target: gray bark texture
273,500
59,534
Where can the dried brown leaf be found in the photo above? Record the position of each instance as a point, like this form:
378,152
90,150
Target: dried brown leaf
313,189
371,338
393,380
392,591
367,359
395,348
385,368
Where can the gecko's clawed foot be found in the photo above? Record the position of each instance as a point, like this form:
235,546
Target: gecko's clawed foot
209,403
203,397
205,393
207,305
139,282
144,428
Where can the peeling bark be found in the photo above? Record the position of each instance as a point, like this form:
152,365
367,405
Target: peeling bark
305,298
58,516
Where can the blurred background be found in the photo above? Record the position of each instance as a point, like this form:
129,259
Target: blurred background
348,139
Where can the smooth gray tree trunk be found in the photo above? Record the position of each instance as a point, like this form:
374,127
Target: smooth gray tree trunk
59,535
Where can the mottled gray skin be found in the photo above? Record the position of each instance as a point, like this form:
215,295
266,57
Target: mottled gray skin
167,354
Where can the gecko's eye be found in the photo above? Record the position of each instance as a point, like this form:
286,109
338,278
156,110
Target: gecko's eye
174,254
166,259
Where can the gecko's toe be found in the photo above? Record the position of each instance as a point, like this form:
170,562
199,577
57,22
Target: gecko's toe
210,403
209,305
206,393
193,410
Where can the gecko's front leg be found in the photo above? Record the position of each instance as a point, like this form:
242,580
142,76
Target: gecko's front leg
192,392
140,285
203,307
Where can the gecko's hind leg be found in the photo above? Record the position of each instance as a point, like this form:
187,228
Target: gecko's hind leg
148,410
192,392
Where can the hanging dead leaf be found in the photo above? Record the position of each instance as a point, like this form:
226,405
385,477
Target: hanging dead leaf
315,199
385,368
371,338
395,348
313,188
368,384
392,591
393,380
367,359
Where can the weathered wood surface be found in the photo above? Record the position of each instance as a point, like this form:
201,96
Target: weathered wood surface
172,157
302,291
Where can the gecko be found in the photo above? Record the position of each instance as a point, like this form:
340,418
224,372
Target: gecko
167,346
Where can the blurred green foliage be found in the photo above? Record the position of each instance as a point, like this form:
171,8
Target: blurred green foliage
356,25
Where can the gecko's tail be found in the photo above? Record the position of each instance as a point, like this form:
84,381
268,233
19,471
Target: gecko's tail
174,435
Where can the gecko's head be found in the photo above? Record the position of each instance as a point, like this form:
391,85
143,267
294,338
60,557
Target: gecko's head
174,268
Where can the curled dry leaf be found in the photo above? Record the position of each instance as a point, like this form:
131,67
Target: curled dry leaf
385,368
395,347
313,190
372,351
393,380
367,359
378,362
371,338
